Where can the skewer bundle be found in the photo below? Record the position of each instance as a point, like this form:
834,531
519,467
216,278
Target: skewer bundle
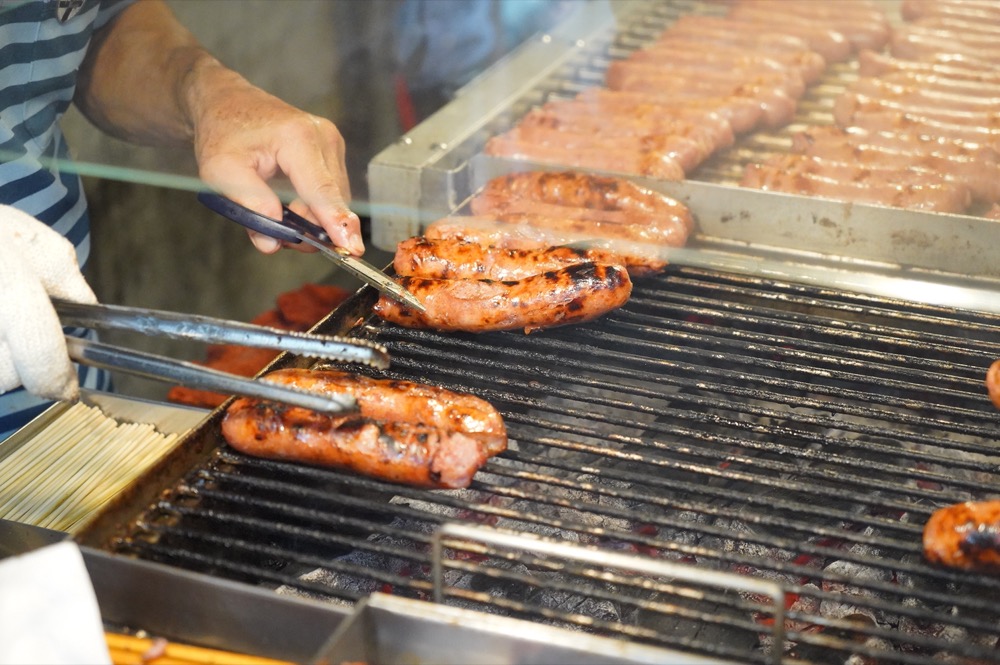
61,477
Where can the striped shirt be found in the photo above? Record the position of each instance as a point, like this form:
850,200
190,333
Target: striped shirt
40,56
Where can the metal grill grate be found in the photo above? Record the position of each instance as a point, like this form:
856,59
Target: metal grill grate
732,423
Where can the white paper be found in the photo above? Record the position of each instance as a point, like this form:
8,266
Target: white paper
48,611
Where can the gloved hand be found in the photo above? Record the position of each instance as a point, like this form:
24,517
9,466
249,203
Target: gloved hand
36,263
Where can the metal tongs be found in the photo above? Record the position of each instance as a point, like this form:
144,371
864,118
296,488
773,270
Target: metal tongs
297,229
211,331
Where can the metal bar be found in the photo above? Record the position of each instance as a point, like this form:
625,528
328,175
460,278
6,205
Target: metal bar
524,542
209,330
188,374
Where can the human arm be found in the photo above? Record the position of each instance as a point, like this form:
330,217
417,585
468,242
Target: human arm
146,79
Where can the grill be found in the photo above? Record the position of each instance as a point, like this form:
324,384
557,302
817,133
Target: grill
780,432
737,464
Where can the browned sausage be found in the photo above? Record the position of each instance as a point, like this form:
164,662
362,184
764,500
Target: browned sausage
985,118
600,155
932,198
413,454
868,175
965,536
582,196
464,259
705,28
871,63
517,233
572,295
742,113
777,106
831,44
981,177
670,50
924,144
863,25
689,136
406,401
993,376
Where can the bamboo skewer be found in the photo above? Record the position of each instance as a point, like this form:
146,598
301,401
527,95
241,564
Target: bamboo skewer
131,650
76,465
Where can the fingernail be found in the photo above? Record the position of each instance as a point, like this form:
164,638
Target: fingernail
357,245
266,244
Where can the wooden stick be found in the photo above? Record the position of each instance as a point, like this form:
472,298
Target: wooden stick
173,653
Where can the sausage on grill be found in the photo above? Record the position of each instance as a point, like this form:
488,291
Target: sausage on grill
600,198
407,401
965,536
447,439
521,232
993,382
408,453
572,295
463,259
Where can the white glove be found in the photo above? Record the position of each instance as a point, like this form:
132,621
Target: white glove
35,263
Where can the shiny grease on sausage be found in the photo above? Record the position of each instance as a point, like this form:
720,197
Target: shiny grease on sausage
406,432
572,295
965,536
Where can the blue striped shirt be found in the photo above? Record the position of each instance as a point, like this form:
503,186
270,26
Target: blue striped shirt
39,60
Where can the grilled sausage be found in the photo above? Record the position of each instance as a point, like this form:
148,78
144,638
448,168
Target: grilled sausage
993,374
850,106
464,259
719,29
866,174
392,400
921,124
741,113
683,143
871,63
915,94
777,106
923,144
932,198
413,454
669,52
965,536
981,177
690,135
831,44
599,155
572,295
705,77
406,432
908,44
489,232
581,196
969,10
863,25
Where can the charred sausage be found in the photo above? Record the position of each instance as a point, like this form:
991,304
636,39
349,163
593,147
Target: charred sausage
407,401
581,195
573,295
524,235
965,536
464,259
993,379
408,453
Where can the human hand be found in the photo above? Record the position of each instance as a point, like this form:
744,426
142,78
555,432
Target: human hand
244,136
36,263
